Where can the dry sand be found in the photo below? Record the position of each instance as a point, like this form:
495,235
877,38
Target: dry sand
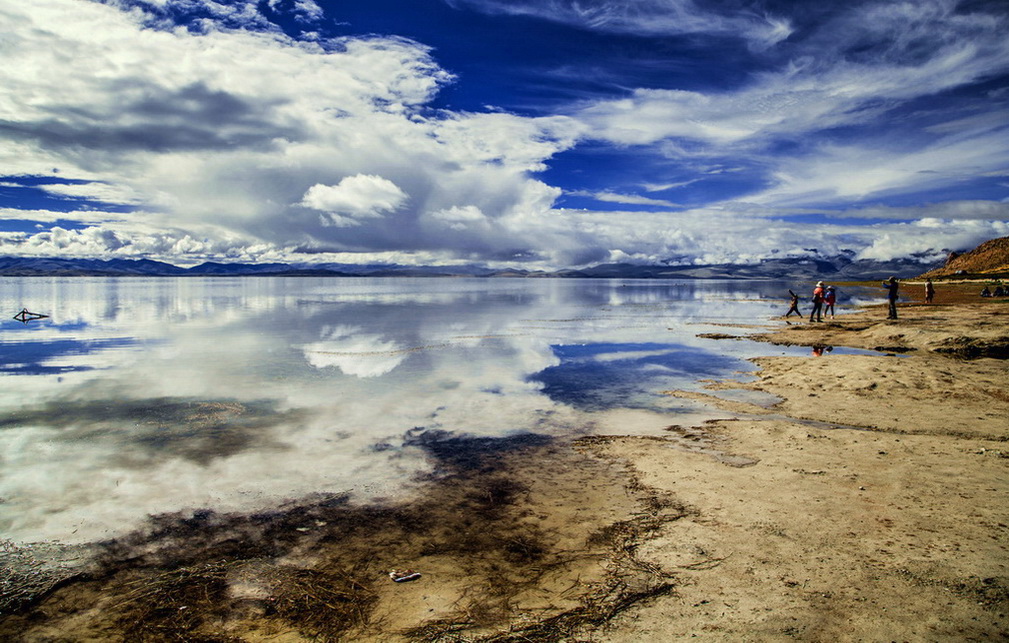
892,526
868,504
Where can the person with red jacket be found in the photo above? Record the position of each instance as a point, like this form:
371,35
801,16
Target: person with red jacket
829,297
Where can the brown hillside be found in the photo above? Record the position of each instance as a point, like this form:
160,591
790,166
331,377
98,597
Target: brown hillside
991,258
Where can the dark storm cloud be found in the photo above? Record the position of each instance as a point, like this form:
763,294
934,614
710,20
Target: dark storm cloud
193,118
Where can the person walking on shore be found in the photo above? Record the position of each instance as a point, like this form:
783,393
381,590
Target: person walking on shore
829,298
891,296
795,304
817,302
929,291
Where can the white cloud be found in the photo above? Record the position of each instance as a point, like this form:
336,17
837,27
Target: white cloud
94,191
849,173
361,196
662,187
234,141
847,73
461,218
920,238
215,134
466,213
627,199
304,10
86,217
731,233
213,14
918,49
647,17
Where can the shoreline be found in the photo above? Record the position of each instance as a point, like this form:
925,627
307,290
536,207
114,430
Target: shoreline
891,525
769,526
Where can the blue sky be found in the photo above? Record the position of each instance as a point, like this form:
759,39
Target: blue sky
533,133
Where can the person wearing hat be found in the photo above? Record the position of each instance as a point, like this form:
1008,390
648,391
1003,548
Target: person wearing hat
891,296
817,302
829,297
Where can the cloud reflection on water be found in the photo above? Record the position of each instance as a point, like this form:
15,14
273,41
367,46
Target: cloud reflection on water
237,393
355,352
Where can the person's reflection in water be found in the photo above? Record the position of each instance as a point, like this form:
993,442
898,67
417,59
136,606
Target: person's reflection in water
26,316
820,349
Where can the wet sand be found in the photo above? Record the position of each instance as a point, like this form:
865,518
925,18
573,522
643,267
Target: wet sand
868,503
524,536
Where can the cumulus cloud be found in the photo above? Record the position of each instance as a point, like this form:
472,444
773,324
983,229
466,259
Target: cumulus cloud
307,11
736,233
918,238
214,133
460,218
213,14
362,196
228,139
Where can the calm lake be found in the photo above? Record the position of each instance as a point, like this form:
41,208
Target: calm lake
142,396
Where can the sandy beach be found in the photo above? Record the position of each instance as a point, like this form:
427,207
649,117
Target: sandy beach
863,498
875,507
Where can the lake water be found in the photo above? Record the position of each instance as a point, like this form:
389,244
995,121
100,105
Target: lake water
142,396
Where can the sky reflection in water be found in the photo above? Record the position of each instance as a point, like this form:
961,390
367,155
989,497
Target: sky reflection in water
141,396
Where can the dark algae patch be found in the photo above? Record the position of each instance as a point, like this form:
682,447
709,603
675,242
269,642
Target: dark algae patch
973,348
516,539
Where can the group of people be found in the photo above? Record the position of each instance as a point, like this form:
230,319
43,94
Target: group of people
824,298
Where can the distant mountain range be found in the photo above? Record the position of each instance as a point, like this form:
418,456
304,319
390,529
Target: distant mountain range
841,268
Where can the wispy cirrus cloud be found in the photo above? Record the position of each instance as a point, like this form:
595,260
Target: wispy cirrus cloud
648,17
627,199
806,95
94,191
836,173
874,64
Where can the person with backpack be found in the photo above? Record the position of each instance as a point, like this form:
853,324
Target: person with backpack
817,311
829,297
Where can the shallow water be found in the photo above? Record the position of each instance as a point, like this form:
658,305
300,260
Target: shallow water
142,396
